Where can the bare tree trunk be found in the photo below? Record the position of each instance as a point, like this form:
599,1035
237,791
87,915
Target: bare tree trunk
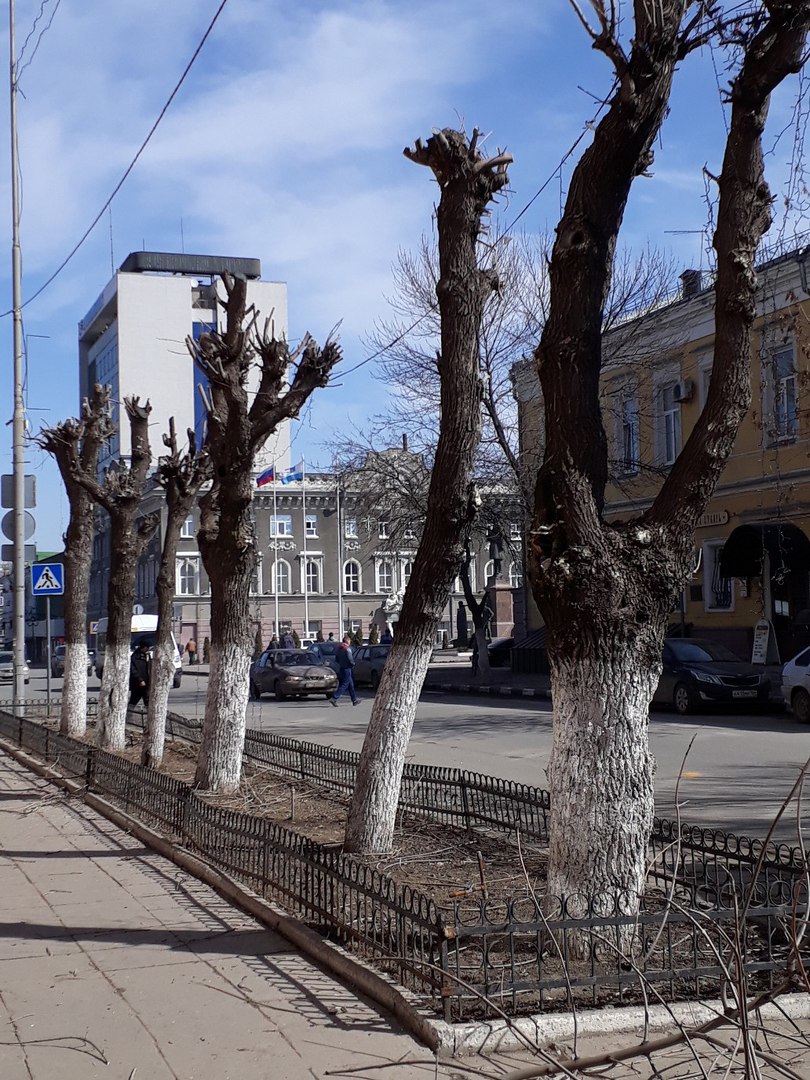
606,590
229,563
468,182
75,445
237,429
127,545
180,475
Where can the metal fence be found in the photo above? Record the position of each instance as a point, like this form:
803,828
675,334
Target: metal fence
473,957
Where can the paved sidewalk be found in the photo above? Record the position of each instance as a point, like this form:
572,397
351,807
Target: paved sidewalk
114,963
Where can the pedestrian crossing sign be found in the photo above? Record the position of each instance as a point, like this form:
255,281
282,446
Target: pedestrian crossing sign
48,579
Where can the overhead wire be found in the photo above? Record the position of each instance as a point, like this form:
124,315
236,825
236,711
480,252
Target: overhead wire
588,126
20,65
131,165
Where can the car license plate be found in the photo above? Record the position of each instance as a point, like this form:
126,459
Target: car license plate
743,693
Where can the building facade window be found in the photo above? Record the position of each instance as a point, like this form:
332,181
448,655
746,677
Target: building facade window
281,576
781,406
409,533
489,572
628,435
350,528
383,529
187,529
352,578
515,576
667,422
311,526
280,525
187,576
313,576
718,591
407,570
385,576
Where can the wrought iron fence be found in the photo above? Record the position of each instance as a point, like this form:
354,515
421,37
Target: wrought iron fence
474,956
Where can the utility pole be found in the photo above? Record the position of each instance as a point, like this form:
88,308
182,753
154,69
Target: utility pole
18,423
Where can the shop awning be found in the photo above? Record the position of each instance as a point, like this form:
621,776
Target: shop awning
745,549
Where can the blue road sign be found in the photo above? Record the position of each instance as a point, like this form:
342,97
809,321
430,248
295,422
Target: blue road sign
48,579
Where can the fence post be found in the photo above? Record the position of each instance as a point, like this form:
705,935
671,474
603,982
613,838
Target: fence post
90,768
465,802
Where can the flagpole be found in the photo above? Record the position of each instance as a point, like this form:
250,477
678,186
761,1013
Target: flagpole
275,557
339,562
304,515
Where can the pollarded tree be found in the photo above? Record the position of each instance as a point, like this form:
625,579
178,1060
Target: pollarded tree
606,589
120,494
75,446
237,430
468,182
180,474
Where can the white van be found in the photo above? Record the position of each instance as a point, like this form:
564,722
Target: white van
143,627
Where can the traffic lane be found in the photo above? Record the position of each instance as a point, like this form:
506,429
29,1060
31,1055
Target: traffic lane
736,774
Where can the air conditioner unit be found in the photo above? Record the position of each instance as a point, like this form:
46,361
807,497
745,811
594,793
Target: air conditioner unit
683,390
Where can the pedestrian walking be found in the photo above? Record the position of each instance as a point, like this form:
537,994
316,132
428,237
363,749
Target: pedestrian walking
191,649
288,642
139,674
344,658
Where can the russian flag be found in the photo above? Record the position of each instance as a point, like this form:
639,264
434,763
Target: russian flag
267,477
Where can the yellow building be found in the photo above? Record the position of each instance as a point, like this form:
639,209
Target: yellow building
752,553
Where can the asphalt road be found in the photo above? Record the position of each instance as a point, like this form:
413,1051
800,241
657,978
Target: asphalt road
736,774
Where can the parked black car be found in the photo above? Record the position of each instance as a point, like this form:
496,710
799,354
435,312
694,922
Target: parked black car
698,672
499,651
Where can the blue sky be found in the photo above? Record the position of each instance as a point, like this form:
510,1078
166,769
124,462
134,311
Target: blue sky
285,143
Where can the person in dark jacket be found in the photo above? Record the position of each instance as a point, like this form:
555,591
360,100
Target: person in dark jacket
139,674
344,658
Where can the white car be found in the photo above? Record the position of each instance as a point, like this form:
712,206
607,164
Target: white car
796,685
7,667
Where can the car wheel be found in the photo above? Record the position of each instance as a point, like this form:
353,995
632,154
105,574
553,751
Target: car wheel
375,680
801,705
280,695
253,691
682,699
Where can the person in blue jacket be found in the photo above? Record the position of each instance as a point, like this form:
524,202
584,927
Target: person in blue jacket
344,658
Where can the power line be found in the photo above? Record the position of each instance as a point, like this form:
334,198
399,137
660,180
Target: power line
507,229
131,165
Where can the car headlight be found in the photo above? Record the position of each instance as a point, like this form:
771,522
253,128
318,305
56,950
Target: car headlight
295,678
705,676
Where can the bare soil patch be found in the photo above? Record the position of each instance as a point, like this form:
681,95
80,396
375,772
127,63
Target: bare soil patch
440,861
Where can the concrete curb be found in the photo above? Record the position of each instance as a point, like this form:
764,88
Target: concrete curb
497,690
444,1039
330,958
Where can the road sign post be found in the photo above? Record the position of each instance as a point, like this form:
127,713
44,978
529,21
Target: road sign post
48,579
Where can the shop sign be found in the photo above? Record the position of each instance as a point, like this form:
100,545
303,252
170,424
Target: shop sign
719,517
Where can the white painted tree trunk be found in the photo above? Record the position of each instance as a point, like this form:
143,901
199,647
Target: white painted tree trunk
373,811
601,774
219,765
160,681
73,718
112,702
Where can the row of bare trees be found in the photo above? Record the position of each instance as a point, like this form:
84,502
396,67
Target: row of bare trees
605,589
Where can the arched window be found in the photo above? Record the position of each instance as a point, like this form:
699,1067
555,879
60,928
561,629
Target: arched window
351,577
313,576
515,576
188,576
489,571
281,576
407,570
